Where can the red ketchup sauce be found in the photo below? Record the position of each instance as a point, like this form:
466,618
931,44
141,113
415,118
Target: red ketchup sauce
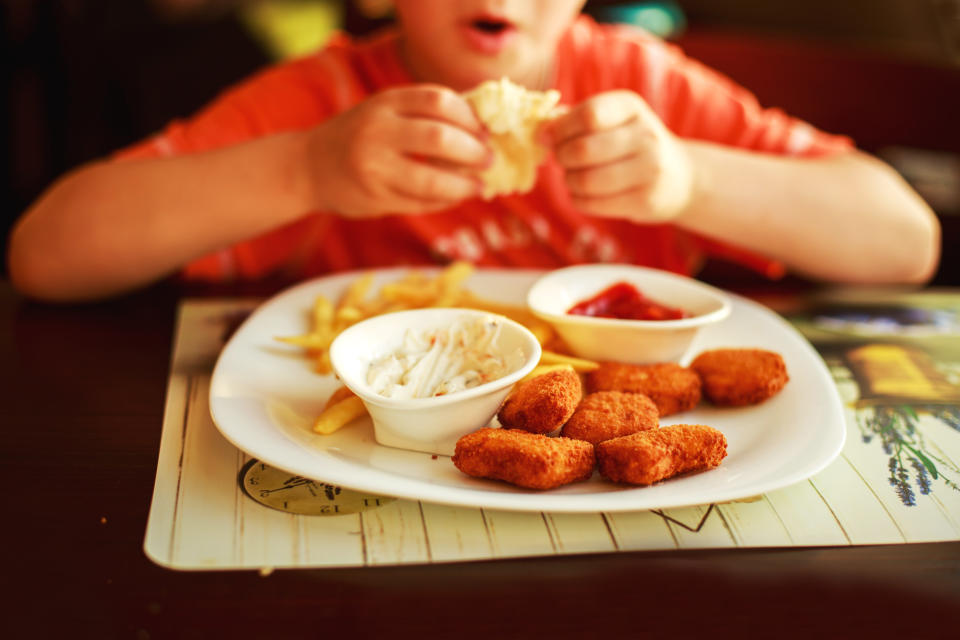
624,301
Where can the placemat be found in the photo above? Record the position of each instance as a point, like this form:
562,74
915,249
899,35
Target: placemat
896,362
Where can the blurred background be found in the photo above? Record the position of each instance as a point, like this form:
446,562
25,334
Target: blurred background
84,77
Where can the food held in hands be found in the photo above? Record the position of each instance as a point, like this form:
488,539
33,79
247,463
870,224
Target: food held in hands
529,460
738,377
672,388
512,115
435,363
650,456
542,404
624,301
604,415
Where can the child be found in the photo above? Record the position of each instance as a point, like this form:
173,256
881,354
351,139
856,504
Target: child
366,155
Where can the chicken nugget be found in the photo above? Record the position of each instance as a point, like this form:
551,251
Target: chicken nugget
610,414
542,404
529,460
671,387
650,456
738,377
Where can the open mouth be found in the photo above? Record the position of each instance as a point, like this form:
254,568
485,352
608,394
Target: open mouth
489,34
492,26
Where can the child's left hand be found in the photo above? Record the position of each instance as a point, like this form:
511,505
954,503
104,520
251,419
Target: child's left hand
620,160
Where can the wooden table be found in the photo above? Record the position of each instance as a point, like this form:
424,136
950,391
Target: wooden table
82,403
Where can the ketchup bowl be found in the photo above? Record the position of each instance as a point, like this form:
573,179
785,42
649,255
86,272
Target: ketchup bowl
412,355
672,309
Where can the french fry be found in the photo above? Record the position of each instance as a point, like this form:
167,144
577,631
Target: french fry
411,291
348,309
543,331
307,341
541,369
321,362
347,315
341,393
579,364
407,294
449,283
321,332
322,314
414,290
338,415
540,328
446,300
453,276
357,291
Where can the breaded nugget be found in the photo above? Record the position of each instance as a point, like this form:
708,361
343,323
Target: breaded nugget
542,404
610,414
530,460
649,456
671,387
737,377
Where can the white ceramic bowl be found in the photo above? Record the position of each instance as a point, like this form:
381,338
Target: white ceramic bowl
634,341
425,424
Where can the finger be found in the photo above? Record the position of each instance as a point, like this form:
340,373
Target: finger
442,141
610,179
604,147
628,203
418,205
604,111
431,101
422,181
394,201
404,204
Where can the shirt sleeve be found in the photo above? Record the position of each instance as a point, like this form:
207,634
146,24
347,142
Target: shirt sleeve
700,103
697,102
288,97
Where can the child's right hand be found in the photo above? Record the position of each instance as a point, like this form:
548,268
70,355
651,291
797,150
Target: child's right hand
408,150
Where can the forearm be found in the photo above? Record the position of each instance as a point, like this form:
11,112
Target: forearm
847,218
113,226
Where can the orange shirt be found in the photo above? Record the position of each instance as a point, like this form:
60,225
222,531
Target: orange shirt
539,229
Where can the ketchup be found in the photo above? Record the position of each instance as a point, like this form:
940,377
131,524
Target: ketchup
623,300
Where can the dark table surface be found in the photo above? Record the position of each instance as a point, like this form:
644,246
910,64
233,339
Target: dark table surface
82,402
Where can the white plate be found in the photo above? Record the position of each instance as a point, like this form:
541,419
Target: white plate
264,396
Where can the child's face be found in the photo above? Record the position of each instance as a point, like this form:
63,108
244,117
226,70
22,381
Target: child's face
462,43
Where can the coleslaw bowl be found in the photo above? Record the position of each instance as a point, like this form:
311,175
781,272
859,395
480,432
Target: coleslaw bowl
429,424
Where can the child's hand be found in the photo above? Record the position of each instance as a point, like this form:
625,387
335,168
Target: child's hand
408,150
620,160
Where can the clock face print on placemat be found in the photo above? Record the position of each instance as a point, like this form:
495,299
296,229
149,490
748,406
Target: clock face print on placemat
295,494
